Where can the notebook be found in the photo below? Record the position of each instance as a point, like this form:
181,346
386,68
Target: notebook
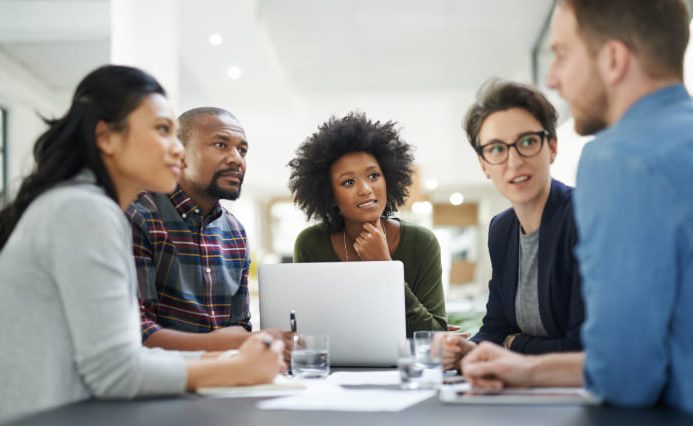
360,305
281,386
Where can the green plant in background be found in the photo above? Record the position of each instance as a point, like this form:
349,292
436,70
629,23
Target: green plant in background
469,322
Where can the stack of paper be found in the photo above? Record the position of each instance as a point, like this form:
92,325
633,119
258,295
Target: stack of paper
348,400
381,378
328,394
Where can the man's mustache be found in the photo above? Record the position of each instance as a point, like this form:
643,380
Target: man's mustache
237,173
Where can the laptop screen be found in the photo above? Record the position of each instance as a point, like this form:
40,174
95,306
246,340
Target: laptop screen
360,305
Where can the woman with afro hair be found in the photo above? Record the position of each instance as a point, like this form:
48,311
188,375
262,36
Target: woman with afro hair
353,174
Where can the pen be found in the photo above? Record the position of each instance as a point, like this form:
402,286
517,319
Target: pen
292,321
292,327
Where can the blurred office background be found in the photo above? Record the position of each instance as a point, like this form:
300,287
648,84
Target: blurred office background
283,67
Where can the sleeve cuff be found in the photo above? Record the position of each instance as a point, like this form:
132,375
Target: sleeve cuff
149,328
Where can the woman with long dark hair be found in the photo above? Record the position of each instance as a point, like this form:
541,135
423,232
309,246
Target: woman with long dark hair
69,312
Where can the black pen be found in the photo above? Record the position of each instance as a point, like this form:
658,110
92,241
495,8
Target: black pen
292,321
292,326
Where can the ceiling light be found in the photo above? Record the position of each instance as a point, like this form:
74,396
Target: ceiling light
216,39
234,72
431,184
456,198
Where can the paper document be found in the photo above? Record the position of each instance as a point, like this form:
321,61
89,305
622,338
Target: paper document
348,400
365,378
282,386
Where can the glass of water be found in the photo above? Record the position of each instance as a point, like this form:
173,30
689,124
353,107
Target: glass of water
428,347
410,370
310,356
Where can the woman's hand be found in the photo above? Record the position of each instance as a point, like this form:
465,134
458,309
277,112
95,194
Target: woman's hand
371,244
455,347
258,362
283,335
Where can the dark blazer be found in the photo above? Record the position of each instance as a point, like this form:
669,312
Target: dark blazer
560,298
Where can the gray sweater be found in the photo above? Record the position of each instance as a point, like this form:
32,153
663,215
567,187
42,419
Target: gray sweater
69,317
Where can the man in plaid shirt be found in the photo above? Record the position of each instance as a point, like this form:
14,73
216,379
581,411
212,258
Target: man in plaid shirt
191,254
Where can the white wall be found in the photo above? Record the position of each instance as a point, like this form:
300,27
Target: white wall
570,146
688,65
24,97
429,120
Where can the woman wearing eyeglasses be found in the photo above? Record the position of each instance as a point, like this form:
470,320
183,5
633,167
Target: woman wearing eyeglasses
534,303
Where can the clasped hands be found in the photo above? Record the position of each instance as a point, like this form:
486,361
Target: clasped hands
486,366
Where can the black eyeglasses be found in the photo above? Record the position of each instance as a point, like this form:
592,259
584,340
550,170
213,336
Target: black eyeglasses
527,145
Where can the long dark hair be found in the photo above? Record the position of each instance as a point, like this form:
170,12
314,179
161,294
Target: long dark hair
109,94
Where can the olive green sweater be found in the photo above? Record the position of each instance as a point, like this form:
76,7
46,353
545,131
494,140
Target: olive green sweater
418,250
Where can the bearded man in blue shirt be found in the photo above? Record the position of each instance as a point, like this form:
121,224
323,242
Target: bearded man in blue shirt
619,64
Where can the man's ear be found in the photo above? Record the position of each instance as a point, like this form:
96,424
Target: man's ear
104,140
553,147
614,59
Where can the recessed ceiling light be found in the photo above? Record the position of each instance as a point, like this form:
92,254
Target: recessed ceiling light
456,198
216,39
234,72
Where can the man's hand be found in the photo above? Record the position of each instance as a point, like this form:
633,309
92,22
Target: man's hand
489,366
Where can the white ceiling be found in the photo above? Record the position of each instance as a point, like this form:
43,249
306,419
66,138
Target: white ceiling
362,45
417,62
401,44
56,41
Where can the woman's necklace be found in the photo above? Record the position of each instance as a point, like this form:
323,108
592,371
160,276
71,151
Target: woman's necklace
346,252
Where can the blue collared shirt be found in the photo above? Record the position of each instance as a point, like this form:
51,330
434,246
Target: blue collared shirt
634,210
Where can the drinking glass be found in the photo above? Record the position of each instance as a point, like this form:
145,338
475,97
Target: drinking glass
428,347
410,371
310,356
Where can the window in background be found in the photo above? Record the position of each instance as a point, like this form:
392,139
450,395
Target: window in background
541,59
456,228
287,221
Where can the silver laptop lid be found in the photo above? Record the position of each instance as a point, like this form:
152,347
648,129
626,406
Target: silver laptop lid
360,305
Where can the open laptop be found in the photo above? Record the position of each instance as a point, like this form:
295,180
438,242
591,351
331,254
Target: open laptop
360,305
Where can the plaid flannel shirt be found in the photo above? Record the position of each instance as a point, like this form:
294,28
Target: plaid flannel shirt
192,269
